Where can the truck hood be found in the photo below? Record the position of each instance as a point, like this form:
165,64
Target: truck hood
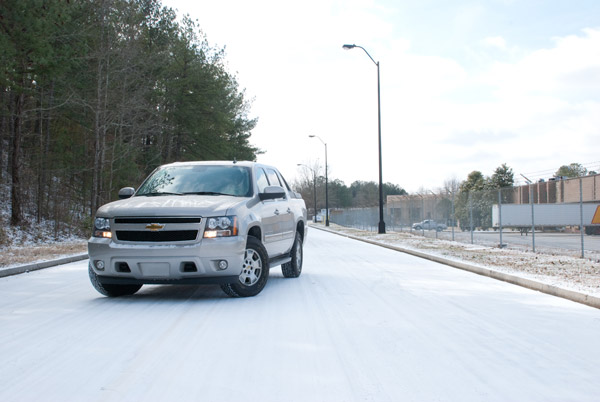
178,205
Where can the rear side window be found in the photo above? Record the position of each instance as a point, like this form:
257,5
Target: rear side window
273,178
285,182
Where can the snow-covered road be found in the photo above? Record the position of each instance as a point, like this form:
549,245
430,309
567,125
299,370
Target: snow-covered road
362,323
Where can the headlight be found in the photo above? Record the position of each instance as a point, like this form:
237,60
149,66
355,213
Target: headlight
221,226
102,228
102,224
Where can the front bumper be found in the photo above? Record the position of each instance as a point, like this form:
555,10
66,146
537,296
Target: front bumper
201,262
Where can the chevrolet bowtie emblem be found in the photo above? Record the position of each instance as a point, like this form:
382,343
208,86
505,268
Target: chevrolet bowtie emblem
155,227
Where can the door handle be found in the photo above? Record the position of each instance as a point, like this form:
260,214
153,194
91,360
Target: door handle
276,212
289,210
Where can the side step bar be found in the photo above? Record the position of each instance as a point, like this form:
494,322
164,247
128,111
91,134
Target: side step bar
276,261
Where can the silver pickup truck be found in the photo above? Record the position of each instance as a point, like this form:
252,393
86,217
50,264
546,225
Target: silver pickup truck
223,223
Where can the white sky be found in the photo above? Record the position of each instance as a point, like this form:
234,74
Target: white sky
465,85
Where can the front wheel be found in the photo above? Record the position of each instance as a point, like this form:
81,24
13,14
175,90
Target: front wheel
293,269
111,290
255,271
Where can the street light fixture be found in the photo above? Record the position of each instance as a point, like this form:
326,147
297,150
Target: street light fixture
326,180
381,221
314,186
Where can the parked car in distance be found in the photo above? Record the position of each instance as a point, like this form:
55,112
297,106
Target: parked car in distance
429,224
218,222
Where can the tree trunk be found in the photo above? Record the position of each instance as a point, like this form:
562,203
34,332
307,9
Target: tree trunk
100,123
41,160
4,123
97,144
45,186
16,217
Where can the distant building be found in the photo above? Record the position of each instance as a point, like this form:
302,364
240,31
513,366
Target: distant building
559,191
406,209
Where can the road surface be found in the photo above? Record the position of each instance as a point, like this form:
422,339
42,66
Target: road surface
362,323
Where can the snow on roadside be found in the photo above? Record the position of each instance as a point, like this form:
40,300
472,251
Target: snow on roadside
34,241
15,256
567,272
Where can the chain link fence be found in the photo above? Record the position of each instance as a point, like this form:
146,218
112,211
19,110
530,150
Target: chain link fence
555,216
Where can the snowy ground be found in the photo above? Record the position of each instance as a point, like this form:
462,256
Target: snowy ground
22,255
35,241
362,323
567,272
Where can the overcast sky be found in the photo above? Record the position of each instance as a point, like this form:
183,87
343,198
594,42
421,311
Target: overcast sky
465,85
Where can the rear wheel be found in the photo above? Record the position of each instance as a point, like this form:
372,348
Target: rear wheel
255,271
109,289
293,269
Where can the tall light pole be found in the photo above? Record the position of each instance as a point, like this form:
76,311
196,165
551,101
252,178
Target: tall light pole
381,221
314,185
326,180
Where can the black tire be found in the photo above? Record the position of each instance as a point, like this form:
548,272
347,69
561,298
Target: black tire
111,290
255,271
293,269
417,227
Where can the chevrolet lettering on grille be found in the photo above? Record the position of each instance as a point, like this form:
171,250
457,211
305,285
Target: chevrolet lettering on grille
155,227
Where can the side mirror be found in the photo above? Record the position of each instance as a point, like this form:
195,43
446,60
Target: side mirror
126,192
272,193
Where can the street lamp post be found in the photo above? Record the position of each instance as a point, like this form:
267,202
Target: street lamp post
314,186
381,221
326,181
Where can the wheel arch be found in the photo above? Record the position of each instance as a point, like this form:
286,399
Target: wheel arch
301,228
255,231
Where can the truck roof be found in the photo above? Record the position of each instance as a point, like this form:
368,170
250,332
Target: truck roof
223,163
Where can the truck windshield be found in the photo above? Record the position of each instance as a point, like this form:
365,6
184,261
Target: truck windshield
199,180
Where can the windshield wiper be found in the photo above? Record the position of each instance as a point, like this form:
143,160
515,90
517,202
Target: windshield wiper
157,194
205,193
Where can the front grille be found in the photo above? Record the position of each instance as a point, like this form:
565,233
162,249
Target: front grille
162,236
158,219
143,229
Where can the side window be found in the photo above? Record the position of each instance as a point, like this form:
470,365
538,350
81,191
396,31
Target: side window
284,182
261,180
273,179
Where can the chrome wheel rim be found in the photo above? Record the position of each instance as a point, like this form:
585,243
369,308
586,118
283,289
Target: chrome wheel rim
251,268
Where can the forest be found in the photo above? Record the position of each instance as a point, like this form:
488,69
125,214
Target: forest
94,94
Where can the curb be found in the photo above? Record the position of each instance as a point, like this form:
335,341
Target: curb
41,265
552,290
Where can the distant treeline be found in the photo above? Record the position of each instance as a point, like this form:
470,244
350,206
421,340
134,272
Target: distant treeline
359,194
96,93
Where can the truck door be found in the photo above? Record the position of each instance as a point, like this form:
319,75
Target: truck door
286,217
268,215
280,239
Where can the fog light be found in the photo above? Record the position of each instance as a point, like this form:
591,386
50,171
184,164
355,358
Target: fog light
223,264
99,265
